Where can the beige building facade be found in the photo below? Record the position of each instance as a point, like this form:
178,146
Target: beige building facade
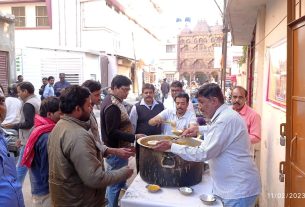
196,53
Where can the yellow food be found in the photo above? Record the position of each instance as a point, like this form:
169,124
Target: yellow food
167,138
153,187
181,142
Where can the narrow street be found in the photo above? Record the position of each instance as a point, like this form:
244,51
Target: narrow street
257,45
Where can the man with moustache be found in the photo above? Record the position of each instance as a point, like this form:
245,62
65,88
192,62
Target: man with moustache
226,146
251,117
144,110
76,174
180,119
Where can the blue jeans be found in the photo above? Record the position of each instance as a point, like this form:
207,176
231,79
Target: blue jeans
241,202
21,170
113,191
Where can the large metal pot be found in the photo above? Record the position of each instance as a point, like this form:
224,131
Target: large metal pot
166,168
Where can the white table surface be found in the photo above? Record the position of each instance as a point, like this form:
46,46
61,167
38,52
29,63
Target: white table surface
138,196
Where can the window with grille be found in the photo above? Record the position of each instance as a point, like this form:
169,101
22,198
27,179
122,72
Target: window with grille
41,16
19,13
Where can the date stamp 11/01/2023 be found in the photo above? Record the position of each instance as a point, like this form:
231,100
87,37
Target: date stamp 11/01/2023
286,195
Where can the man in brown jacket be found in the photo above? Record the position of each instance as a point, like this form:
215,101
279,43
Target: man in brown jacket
76,175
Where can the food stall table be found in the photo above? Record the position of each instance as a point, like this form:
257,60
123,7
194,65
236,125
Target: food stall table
138,196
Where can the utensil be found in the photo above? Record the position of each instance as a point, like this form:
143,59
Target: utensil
153,142
177,132
153,188
208,199
167,122
172,123
186,190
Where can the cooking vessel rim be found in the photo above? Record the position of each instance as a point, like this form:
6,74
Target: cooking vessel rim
173,136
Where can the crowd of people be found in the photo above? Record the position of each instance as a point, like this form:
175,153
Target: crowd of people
64,150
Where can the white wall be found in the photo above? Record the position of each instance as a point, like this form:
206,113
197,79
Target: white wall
38,63
271,151
32,37
91,66
103,29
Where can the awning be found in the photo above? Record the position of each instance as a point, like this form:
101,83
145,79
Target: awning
241,16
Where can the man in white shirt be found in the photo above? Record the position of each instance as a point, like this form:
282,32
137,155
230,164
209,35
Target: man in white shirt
179,118
176,88
13,106
227,147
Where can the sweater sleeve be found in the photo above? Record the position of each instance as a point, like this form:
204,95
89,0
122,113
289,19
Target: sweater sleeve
89,168
113,119
41,147
29,114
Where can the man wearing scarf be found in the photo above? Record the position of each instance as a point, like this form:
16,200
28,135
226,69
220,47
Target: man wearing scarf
36,154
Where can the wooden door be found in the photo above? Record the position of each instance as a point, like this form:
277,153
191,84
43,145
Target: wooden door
295,148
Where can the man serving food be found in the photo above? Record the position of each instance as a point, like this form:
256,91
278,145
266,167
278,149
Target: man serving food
174,121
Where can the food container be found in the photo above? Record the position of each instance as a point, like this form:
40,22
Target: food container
166,168
208,199
186,190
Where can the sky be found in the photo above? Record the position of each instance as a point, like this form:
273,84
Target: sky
195,9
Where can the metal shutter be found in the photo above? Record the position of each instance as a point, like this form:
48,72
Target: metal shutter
71,66
4,70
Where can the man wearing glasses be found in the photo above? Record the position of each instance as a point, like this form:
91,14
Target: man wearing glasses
117,130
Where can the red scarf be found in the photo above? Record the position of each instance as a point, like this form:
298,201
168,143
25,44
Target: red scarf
42,125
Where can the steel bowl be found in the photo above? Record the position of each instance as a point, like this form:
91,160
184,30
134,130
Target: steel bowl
186,190
208,199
